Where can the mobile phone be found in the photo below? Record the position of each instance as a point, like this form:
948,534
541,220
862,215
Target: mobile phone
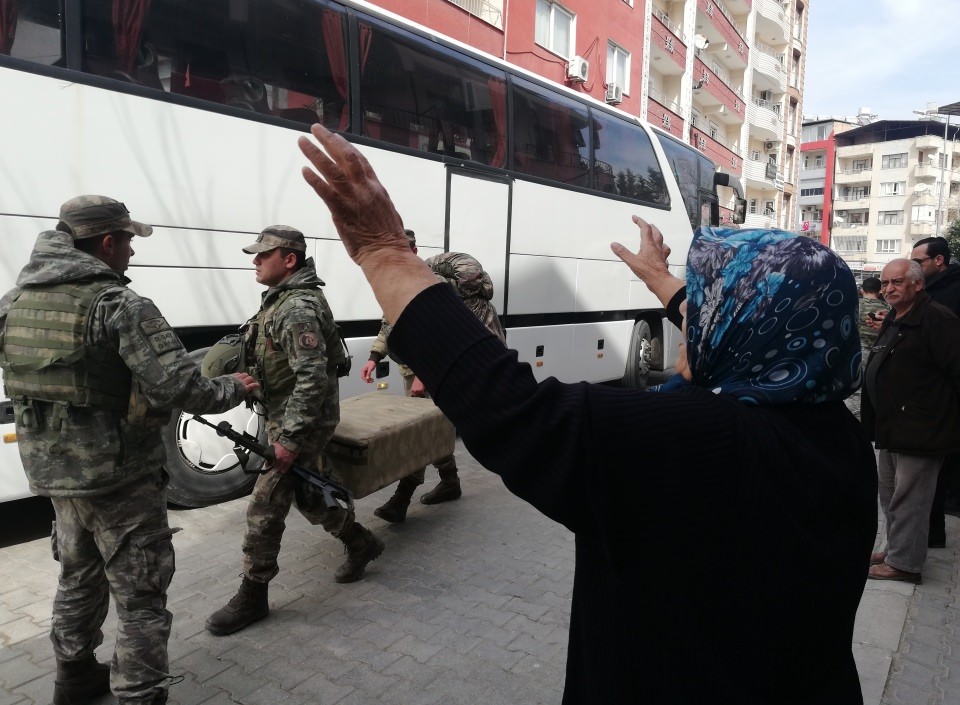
872,316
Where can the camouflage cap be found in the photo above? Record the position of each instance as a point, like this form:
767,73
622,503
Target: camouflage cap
278,236
89,216
411,236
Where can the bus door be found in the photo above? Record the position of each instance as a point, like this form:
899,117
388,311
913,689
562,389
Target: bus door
478,223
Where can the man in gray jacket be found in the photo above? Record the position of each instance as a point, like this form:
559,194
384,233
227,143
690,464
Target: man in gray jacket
93,370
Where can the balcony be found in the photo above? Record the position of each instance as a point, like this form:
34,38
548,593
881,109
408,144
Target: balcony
712,95
761,175
853,176
758,220
664,115
768,63
928,142
765,117
810,226
666,48
853,202
717,150
926,171
772,20
726,37
923,229
840,228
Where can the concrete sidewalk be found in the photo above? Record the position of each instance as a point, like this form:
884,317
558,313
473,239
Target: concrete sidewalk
469,604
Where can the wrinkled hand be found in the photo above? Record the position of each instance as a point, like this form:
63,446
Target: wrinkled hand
362,211
283,459
366,374
876,322
650,261
417,389
250,385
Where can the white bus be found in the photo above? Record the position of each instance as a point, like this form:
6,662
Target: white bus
189,113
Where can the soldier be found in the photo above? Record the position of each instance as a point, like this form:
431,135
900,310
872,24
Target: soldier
93,370
292,347
466,275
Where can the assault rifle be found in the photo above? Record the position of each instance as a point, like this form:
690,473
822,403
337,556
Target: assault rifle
335,495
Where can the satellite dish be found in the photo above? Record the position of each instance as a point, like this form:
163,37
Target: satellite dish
920,189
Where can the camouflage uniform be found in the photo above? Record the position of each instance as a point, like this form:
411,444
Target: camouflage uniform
296,323
868,335
466,275
101,463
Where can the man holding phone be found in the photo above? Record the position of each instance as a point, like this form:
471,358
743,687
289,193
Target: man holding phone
872,310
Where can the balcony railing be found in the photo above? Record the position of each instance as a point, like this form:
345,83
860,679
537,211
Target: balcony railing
665,18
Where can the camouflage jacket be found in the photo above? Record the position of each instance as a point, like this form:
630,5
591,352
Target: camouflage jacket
868,335
300,331
78,451
465,274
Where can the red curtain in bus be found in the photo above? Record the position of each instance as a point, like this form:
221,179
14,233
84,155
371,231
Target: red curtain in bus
128,19
8,25
498,101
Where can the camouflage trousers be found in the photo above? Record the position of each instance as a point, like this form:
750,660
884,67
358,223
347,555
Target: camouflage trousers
117,543
270,502
446,467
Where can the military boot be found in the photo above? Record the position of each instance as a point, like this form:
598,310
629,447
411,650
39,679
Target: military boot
78,682
362,547
249,605
448,489
395,510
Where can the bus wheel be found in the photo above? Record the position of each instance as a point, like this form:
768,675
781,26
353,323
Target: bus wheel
642,355
202,466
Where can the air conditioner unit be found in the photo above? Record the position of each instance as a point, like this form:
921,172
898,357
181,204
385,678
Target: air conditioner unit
614,94
770,146
578,69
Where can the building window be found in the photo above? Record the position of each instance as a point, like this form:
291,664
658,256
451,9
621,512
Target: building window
554,28
893,161
753,206
888,247
893,188
850,243
890,218
812,191
488,10
618,67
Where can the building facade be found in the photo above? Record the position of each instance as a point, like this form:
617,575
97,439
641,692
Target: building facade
725,76
888,184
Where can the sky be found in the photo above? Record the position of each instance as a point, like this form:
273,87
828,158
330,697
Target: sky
891,56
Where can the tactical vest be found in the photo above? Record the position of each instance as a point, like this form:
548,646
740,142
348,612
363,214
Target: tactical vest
272,370
43,354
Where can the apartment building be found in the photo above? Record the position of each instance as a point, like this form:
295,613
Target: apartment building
895,182
818,156
725,76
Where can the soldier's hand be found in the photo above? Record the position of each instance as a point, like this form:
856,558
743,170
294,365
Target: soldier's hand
362,211
250,385
366,374
282,459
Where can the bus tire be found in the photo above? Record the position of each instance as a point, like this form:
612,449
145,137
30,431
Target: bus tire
644,354
201,466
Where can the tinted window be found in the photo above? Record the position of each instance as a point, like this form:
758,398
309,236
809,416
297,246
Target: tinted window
685,163
550,136
30,29
276,57
414,96
624,161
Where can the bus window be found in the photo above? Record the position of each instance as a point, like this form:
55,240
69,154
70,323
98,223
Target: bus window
273,57
550,136
687,166
30,29
624,162
417,97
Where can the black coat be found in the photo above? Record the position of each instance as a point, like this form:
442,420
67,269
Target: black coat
944,288
915,405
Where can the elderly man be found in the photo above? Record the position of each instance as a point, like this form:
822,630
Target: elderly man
941,280
911,410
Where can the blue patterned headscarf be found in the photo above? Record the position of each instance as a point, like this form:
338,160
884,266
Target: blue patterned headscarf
771,317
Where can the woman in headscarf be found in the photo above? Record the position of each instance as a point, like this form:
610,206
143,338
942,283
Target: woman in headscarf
723,529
